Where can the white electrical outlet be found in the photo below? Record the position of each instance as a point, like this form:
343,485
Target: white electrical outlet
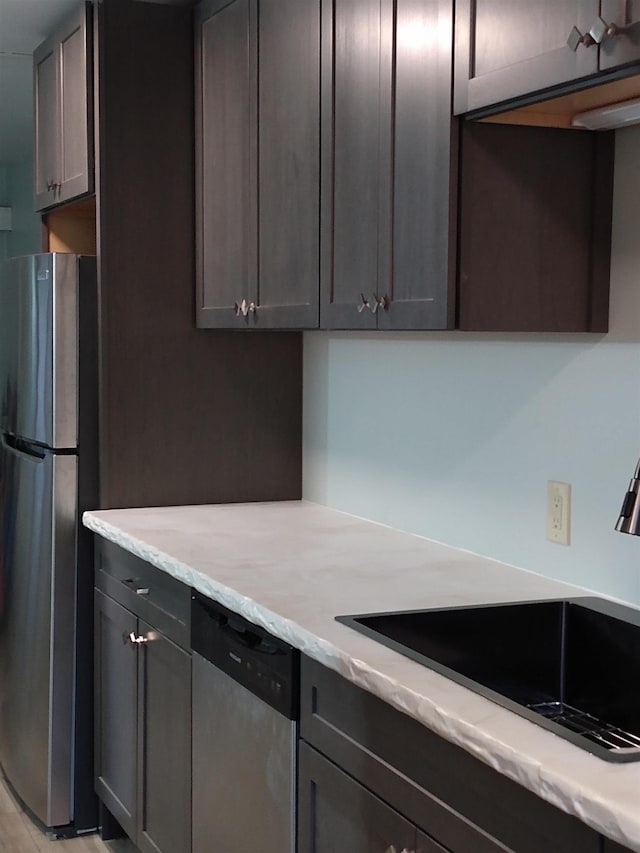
558,512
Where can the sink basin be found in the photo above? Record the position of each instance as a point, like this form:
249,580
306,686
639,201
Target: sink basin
570,665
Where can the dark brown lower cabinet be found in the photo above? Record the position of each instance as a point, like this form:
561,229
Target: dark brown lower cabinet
143,729
116,711
337,813
373,779
612,847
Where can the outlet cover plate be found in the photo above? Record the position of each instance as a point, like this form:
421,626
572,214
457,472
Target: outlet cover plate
558,512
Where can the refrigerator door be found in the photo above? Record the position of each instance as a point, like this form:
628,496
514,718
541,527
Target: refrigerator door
39,348
37,589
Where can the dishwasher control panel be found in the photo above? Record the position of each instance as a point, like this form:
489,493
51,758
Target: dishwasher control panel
264,664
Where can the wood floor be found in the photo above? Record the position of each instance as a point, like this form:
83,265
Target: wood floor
18,834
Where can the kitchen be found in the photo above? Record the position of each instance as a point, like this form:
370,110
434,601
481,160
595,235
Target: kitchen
493,444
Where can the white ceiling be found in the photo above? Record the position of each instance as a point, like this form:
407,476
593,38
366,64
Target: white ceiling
23,25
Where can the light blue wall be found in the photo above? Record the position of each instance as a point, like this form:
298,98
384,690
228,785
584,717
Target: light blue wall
453,436
16,192
24,237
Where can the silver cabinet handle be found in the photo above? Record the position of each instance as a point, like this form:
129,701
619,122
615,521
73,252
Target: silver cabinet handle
576,38
364,304
244,308
602,30
241,308
380,302
137,639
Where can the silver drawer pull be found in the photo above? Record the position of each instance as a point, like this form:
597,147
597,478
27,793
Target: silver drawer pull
132,584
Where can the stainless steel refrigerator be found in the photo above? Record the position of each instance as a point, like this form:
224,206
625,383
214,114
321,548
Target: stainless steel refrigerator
48,426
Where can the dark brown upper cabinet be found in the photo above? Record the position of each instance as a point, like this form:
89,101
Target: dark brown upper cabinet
257,163
63,112
508,51
535,229
621,43
387,219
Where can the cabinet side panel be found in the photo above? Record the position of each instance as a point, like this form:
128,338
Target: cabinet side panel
187,415
526,231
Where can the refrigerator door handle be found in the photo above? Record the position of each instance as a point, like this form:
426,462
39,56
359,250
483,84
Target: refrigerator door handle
21,445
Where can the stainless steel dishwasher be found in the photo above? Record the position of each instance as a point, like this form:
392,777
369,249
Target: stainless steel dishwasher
245,711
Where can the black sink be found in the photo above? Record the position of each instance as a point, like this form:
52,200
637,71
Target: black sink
570,665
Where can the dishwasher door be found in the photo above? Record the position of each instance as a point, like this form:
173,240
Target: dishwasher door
244,757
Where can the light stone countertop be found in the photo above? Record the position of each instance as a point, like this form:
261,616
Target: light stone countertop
291,567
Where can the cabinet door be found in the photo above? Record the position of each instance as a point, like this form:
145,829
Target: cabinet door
424,844
289,163
225,157
609,846
116,711
387,166
46,128
75,170
336,813
355,174
164,745
257,163
418,282
624,45
508,49
63,143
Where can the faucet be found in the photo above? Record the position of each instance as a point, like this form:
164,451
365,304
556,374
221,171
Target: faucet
629,518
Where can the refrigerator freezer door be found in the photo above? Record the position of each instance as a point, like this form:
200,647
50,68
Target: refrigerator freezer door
39,348
37,590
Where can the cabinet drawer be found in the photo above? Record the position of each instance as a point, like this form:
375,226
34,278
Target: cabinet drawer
337,813
126,578
464,804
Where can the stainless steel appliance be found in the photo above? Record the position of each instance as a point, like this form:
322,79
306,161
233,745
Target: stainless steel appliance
48,388
245,708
